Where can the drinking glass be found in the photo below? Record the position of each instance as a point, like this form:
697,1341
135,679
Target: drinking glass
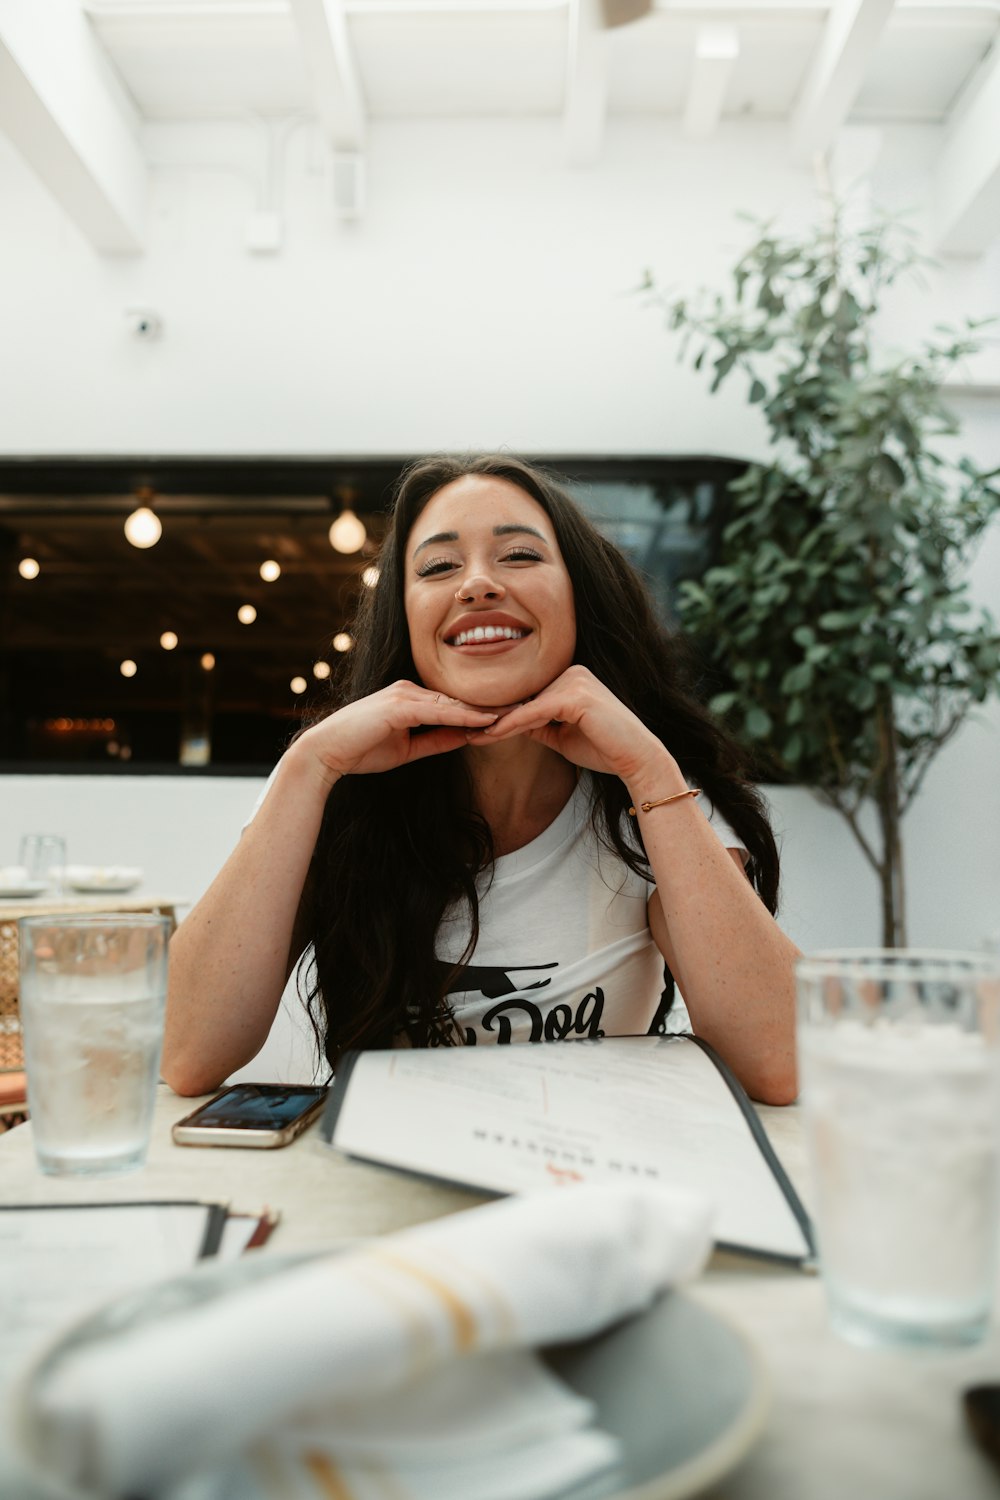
92,994
899,1056
43,855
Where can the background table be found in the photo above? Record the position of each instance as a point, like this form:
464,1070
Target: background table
846,1423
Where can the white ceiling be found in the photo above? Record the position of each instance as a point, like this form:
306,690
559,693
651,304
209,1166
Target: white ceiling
811,65
212,59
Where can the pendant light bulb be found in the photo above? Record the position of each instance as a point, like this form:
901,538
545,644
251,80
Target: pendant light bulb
348,534
142,527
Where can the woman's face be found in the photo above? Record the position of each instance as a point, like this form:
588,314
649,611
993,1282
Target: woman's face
489,603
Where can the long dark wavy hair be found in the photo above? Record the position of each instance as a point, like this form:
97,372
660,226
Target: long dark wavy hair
396,850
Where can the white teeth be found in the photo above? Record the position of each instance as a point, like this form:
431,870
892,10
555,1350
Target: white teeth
487,633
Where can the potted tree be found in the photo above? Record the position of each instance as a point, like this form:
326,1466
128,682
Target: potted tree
837,623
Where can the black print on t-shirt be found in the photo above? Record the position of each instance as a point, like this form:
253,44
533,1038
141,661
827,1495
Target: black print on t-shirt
493,982
658,1025
559,1021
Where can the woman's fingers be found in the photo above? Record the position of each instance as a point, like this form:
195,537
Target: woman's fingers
551,706
580,718
452,711
420,706
377,733
518,721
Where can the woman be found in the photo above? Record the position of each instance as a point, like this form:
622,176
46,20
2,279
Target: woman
495,836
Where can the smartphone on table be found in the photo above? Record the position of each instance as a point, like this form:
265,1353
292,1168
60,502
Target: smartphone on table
252,1114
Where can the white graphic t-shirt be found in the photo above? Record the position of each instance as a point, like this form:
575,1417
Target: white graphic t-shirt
564,945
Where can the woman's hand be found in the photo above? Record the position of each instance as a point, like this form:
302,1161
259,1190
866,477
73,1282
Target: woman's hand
377,733
580,718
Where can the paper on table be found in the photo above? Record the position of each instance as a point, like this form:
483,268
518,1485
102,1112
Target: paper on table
58,1260
513,1119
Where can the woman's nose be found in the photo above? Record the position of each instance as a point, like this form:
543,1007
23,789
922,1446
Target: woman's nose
479,585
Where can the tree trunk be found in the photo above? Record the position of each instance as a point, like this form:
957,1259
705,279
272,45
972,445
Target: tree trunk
891,864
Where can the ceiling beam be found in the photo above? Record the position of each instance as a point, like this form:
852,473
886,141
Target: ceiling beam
331,67
716,51
586,83
849,39
966,198
65,111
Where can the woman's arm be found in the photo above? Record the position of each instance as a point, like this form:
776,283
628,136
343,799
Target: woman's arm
734,965
232,954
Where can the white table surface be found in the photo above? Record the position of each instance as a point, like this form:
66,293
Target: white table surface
845,1423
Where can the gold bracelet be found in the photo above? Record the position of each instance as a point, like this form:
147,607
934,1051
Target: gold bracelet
694,791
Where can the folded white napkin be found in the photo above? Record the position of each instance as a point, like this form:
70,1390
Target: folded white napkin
346,1364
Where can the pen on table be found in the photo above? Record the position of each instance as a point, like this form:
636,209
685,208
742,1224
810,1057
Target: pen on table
266,1222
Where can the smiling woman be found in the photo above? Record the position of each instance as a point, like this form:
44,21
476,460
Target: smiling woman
495,834
489,602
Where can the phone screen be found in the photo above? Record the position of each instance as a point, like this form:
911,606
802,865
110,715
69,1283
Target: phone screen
257,1106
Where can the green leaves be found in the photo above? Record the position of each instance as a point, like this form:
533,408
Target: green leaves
797,679
758,723
838,614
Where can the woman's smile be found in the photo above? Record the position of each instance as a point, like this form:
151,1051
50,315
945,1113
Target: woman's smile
486,633
488,598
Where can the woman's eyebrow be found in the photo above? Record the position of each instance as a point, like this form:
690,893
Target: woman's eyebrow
452,536
439,536
515,530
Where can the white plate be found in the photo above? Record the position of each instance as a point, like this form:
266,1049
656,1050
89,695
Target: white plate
685,1393
98,880
26,888
103,887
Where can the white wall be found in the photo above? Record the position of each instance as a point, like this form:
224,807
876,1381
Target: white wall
485,300
486,297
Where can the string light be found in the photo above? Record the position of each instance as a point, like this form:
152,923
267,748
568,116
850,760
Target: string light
270,570
321,669
348,534
168,640
298,684
85,726
142,527
208,661
128,668
246,614
28,567
342,641
370,577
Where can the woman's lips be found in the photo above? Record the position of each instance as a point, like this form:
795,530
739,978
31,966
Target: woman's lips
487,648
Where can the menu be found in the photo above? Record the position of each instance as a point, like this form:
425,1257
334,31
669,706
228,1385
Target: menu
513,1119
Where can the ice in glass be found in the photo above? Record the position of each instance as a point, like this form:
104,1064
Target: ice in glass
92,993
900,1069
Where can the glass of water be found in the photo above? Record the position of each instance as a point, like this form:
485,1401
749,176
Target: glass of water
92,995
43,855
899,1058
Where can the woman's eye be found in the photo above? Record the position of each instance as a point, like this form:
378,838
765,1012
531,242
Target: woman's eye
522,554
434,565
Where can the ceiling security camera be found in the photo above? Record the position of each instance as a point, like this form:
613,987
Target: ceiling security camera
143,323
